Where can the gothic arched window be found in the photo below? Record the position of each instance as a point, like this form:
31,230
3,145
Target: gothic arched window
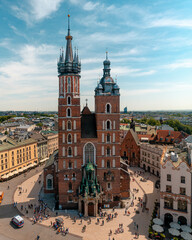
70,186
89,153
69,151
108,125
68,112
108,151
108,108
69,125
69,85
68,100
69,138
108,137
108,164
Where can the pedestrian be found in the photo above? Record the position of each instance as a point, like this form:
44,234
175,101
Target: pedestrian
56,213
38,237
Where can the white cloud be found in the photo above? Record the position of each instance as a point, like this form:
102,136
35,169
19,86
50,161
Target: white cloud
168,22
89,6
36,10
184,63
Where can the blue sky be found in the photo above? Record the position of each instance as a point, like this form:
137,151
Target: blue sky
149,44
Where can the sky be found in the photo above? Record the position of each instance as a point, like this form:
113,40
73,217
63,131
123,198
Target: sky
149,44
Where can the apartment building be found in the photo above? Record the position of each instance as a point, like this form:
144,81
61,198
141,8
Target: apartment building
150,156
15,157
175,187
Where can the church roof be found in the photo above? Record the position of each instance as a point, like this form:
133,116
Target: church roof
86,110
51,159
88,124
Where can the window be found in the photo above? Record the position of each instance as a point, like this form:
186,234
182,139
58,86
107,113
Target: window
108,125
76,84
182,205
109,185
182,179
49,181
169,177
68,112
75,138
113,137
168,188
73,176
168,203
68,100
63,138
64,164
75,164
108,108
63,125
69,125
70,186
182,191
102,150
108,137
69,85
113,150
63,151
108,151
89,153
70,165
103,163
108,164
103,125
113,124
74,125
75,151
114,163
103,136
69,152
69,138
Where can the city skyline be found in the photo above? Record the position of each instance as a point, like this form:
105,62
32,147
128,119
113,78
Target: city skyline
149,47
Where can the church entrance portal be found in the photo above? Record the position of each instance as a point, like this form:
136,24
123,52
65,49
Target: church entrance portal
90,209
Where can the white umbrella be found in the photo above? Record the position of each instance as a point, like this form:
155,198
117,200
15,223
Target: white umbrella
186,228
175,225
158,221
157,228
186,235
174,232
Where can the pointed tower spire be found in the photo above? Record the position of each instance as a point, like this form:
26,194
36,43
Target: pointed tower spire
69,52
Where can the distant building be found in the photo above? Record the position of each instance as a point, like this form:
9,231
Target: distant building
125,110
175,187
42,146
169,137
52,141
16,157
165,127
150,157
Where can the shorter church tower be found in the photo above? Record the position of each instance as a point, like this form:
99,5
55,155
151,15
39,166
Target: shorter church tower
107,112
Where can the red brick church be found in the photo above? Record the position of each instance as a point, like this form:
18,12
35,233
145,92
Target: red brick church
85,172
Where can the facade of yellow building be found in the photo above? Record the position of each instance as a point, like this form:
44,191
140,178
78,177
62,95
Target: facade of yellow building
15,157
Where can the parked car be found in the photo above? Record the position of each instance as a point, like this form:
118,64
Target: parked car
18,221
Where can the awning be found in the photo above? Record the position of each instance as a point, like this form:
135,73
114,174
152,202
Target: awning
157,228
35,164
24,168
43,160
20,170
15,172
158,221
10,174
186,228
175,225
4,176
186,235
174,232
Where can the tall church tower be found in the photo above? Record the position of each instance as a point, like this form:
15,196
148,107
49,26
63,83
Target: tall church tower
107,110
69,122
